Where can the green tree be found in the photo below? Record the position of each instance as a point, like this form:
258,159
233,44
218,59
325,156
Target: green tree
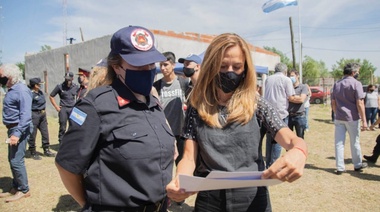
367,70
312,70
21,65
283,58
45,48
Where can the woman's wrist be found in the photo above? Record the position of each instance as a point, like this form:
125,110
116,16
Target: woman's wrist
304,151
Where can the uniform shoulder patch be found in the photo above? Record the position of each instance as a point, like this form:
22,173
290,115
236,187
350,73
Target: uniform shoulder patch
78,116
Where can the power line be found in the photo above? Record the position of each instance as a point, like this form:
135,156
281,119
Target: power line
339,28
340,50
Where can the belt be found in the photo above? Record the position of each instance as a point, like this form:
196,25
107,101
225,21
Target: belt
297,114
9,126
146,208
39,111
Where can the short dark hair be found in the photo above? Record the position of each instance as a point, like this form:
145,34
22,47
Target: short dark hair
351,67
294,71
170,56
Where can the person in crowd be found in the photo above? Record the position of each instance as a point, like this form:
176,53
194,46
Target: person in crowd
222,128
171,89
296,109
99,75
372,103
373,126
118,152
376,151
67,92
307,107
83,76
39,120
17,118
332,111
348,106
191,67
278,91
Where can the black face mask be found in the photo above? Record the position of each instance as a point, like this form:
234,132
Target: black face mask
229,81
356,75
80,80
188,71
3,80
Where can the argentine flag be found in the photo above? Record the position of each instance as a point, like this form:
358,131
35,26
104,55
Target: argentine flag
272,5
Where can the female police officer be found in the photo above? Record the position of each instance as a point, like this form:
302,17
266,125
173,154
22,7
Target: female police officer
117,154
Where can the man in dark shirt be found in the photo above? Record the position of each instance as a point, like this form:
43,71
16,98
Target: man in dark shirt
296,109
83,82
67,92
39,120
17,107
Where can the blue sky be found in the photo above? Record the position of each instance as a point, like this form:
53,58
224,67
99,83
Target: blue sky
330,30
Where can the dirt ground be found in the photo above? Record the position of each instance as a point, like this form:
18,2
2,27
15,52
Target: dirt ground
320,189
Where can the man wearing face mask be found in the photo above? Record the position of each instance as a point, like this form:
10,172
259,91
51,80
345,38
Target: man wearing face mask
296,109
17,118
67,92
191,68
117,154
278,91
171,89
347,102
83,76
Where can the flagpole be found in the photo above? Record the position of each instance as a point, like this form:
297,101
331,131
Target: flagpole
300,41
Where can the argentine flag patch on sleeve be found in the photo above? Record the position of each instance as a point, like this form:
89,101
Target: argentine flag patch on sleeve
78,116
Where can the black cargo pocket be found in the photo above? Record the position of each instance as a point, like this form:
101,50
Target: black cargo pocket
132,142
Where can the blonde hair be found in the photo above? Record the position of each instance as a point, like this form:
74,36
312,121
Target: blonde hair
103,75
242,105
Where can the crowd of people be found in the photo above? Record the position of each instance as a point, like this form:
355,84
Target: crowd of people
126,131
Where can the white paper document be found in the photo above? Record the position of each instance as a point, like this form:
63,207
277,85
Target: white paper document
224,180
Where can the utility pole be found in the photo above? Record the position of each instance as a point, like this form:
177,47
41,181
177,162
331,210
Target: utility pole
81,33
300,40
292,41
71,40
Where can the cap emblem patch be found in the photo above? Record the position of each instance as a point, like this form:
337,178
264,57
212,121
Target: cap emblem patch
141,40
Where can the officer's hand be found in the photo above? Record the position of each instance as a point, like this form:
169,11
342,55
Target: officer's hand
13,140
175,193
58,109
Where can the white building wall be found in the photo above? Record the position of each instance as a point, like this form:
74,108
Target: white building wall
87,54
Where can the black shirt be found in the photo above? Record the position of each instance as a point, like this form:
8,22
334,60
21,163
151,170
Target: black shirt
38,101
123,147
66,94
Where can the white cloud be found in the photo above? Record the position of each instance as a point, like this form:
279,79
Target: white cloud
322,23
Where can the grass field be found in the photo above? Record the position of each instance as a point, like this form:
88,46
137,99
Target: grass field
320,189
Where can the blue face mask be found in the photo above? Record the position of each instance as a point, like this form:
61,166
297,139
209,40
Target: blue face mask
141,81
293,79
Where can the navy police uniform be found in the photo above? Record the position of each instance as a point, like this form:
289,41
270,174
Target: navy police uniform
124,148
67,101
39,120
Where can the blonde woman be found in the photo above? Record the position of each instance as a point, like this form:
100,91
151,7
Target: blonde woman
223,131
